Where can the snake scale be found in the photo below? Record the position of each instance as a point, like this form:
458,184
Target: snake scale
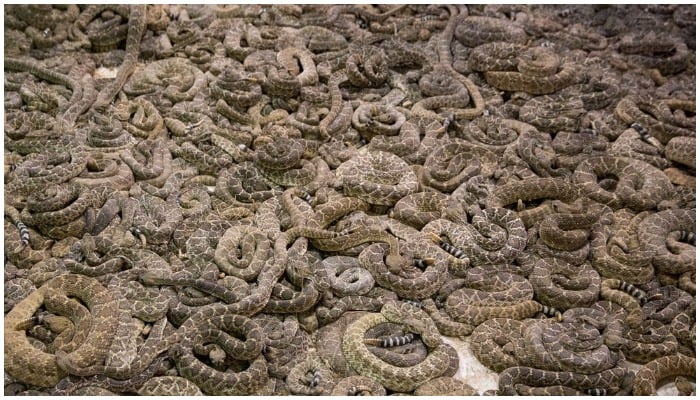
285,199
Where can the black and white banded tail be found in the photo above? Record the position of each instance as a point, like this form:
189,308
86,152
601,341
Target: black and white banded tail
596,392
315,378
390,341
414,303
551,312
687,237
448,247
23,233
393,341
645,135
14,216
359,390
307,197
634,292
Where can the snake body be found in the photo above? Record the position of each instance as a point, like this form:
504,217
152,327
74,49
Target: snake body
303,199
102,308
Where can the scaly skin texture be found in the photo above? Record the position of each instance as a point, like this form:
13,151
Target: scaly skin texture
392,377
224,199
651,373
30,364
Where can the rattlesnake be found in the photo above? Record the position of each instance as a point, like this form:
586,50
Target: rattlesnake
20,354
136,28
396,378
652,235
640,186
211,380
562,285
494,236
651,373
191,185
453,163
539,71
501,295
493,342
377,177
522,380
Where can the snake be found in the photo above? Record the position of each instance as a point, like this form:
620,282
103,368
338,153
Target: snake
529,190
495,235
445,386
150,161
396,378
652,232
493,342
656,116
681,150
211,380
168,385
284,177
319,383
651,340
418,209
281,161
653,185
179,79
286,344
637,143
372,120
358,385
537,70
572,148
473,31
46,168
410,283
377,177
562,285
503,295
641,49
646,379
666,303
533,381
553,113
347,277
563,346
241,252
102,307
67,119
616,251
135,30
453,163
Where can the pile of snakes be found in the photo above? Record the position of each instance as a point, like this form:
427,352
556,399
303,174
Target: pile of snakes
306,200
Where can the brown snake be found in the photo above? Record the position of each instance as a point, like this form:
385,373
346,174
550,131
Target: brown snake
286,199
